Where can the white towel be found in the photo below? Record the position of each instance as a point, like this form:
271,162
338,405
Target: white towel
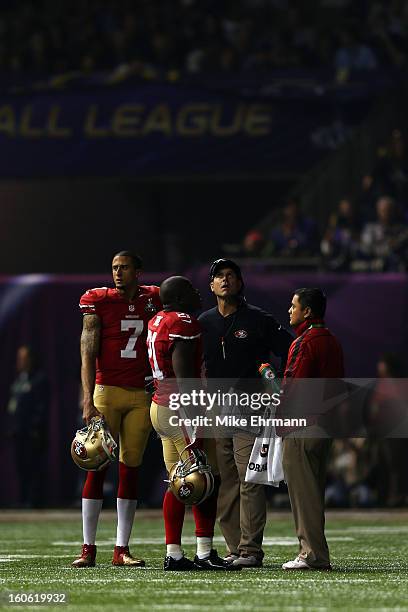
265,463
275,465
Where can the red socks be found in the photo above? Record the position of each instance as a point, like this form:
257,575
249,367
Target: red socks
127,489
173,513
93,487
128,480
205,513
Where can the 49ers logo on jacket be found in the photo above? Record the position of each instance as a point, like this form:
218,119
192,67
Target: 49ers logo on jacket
241,333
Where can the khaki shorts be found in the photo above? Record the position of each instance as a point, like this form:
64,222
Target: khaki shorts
126,411
175,440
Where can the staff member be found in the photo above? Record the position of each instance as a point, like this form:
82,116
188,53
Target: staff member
237,338
315,353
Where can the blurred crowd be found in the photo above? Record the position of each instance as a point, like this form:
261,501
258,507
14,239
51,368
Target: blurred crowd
56,36
370,471
368,232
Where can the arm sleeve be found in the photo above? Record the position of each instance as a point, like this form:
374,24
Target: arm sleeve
277,337
300,362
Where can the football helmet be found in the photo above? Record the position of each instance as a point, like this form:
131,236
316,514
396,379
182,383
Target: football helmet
191,480
93,447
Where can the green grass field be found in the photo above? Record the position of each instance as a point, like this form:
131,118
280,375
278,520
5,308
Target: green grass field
369,555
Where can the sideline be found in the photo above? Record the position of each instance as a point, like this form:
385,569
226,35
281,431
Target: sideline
23,516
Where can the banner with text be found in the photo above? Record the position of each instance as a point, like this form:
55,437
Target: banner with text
169,130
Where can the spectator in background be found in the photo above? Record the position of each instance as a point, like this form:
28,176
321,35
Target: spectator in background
386,411
387,27
353,474
289,233
352,55
28,425
197,35
365,472
294,234
253,243
390,175
340,240
392,170
386,240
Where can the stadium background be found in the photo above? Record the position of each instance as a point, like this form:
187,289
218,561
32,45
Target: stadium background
180,148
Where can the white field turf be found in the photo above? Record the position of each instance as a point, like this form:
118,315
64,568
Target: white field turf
369,555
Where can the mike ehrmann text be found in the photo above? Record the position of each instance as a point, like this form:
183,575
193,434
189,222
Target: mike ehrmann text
255,420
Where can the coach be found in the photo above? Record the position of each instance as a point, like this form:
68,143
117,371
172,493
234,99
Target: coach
315,353
237,338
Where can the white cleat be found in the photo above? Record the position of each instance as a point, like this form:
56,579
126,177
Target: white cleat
296,564
230,557
300,564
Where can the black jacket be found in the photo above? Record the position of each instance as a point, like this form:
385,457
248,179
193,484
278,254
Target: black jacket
236,345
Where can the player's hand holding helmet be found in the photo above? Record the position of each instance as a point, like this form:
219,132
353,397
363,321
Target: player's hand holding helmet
93,447
191,480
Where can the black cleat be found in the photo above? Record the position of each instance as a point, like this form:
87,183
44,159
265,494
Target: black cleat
214,562
182,565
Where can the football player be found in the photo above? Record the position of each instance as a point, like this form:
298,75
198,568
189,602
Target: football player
114,368
174,346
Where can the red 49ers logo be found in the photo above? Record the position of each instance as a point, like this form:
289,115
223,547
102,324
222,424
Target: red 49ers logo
241,333
80,450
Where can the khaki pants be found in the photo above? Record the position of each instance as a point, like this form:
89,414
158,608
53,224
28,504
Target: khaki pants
304,464
241,505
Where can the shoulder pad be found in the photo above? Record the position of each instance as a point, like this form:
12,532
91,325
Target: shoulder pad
183,316
94,295
150,288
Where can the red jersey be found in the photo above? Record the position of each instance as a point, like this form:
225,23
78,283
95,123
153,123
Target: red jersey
122,359
165,328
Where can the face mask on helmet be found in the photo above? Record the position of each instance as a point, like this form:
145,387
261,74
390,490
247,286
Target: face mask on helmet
93,447
191,481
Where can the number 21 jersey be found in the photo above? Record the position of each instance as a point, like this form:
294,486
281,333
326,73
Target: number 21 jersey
165,329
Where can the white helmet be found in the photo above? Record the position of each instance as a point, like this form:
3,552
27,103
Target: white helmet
93,447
